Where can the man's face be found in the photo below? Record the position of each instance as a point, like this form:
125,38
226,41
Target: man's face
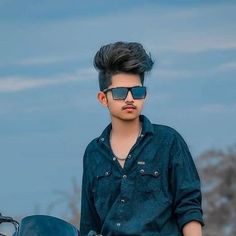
128,108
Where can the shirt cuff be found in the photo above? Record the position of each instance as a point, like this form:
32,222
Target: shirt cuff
190,216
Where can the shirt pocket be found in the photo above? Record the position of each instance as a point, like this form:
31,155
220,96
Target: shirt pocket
102,190
148,179
102,183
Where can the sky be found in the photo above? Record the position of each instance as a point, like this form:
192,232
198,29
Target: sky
48,86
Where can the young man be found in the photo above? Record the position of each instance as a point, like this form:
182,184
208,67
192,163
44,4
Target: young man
139,178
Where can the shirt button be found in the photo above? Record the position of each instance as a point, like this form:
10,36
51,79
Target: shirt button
122,200
118,224
102,139
106,173
142,171
129,156
114,158
124,176
156,173
141,135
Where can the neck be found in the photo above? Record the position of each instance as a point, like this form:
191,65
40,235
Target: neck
122,128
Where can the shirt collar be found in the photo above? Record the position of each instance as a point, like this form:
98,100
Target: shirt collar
147,128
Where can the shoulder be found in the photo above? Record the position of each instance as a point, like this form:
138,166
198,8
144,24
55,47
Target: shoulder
92,146
164,129
170,137
166,132
89,158
159,131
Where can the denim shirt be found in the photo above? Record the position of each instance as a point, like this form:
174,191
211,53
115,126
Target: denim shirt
156,193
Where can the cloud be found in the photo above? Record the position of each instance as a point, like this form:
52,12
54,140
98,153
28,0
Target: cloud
171,29
217,108
42,60
206,111
229,66
15,84
172,74
160,29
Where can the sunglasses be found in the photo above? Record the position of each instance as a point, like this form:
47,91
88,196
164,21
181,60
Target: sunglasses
120,93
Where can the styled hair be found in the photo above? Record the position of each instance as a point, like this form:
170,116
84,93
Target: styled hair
121,57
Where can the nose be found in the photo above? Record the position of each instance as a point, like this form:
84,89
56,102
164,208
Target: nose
129,97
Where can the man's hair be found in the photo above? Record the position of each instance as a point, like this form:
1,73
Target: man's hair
121,57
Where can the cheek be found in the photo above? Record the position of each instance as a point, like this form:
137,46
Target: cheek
140,104
114,106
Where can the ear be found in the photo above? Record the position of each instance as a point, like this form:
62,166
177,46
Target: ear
101,96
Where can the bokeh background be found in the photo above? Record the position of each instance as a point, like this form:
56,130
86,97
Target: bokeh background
48,86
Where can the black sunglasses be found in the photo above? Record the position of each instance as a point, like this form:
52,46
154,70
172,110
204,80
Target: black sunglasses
120,93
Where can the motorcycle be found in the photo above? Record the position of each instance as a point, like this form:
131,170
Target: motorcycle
40,225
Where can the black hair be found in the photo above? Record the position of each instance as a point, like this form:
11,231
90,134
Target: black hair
121,57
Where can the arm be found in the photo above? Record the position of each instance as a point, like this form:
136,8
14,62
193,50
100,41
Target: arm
185,187
89,218
192,228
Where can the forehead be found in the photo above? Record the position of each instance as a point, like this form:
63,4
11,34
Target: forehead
125,80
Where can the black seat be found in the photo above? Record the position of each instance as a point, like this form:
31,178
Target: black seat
43,225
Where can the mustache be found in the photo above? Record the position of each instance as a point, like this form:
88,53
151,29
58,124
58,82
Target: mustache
129,106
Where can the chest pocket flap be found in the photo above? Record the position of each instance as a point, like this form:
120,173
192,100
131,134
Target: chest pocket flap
102,173
148,178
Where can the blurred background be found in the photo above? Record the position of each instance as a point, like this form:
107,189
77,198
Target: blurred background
48,107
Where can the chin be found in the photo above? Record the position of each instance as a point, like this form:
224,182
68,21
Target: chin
127,116
130,117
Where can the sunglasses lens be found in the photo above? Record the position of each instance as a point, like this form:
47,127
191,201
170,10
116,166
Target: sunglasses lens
138,92
119,93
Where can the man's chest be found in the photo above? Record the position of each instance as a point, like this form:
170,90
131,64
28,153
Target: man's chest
116,190
143,169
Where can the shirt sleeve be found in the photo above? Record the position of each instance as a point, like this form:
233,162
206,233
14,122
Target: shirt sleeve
185,184
89,219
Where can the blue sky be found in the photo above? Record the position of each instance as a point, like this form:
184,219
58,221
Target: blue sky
48,85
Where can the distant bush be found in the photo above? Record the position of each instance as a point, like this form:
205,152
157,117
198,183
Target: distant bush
217,169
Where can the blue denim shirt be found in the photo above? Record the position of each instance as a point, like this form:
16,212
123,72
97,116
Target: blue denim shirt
156,193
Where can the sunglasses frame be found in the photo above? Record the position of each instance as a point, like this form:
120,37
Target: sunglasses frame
128,89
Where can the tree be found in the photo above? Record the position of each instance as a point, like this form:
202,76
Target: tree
217,170
72,201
